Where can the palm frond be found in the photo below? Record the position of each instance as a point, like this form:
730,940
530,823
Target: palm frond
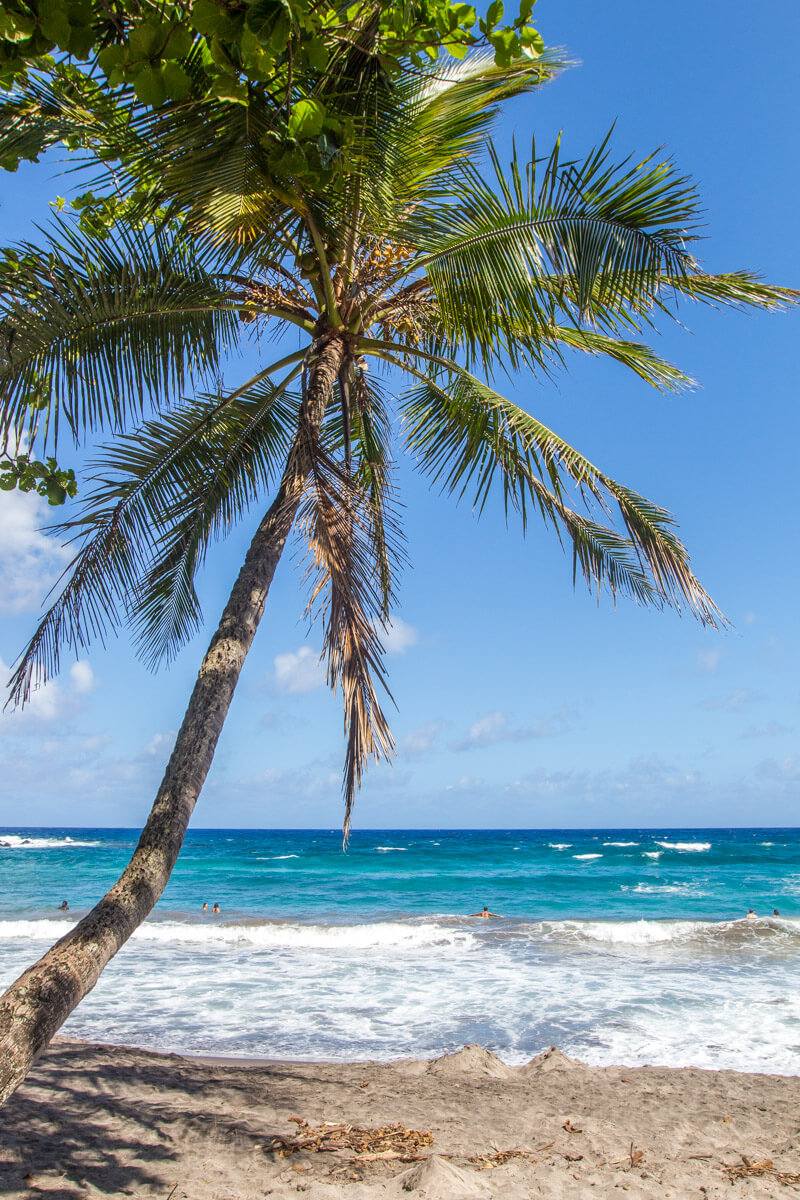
43,109
611,232
419,127
734,289
337,519
465,436
160,495
636,356
95,330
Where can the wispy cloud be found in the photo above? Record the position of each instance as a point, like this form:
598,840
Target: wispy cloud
773,729
398,637
786,770
56,699
160,745
496,727
707,662
30,562
735,701
299,671
421,741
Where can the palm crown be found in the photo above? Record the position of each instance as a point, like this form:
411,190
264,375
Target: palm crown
416,252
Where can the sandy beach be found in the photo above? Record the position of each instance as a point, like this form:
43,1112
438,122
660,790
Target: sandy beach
100,1120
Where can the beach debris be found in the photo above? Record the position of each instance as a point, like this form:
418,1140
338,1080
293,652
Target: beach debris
364,1084
487,1162
633,1158
746,1169
570,1128
386,1142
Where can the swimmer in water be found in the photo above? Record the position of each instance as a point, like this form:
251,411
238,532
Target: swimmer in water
215,909
205,906
485,914
63,906
751,916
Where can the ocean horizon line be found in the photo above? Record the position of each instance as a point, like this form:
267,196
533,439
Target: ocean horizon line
284,829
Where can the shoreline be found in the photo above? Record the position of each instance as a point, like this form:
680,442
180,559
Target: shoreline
95,1120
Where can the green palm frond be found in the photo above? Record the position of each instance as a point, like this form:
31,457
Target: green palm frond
250,445
734,289
611,232
422,125
160,494
465,436
42,110
636,356
95,330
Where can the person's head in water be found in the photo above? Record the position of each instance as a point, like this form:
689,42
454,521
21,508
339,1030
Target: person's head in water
205,906
775,912
63,906
215,908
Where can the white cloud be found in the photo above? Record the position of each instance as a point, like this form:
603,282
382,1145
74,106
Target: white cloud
52,699
486,730
30,562
495,727
299,672
398,636
82,676
160,744
421,741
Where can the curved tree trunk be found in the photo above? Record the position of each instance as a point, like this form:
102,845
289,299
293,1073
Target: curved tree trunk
37,1004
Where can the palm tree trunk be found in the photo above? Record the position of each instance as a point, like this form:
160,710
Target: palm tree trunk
37,1004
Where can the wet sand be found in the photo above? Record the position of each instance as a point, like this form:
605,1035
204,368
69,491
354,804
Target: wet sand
115,1121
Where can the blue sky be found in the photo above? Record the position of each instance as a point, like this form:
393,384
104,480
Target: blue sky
520,701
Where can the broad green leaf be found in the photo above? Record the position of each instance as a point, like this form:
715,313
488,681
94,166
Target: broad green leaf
306,119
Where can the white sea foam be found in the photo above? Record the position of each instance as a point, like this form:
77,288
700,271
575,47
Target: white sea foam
273,935
395,989
385,848
620,843
652,854
278,857
665,889
696,846
638,933
560,845
586,857
16,841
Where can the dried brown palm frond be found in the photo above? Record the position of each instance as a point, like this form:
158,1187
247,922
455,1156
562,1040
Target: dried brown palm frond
345,531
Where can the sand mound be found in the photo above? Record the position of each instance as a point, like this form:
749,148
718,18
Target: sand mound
473,1058
551,1060
439,1180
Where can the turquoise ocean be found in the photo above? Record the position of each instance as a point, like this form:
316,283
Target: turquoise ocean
619,946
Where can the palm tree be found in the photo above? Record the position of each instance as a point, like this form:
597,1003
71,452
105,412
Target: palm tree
416,252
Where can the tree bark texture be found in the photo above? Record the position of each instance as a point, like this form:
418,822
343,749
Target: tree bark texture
37,1004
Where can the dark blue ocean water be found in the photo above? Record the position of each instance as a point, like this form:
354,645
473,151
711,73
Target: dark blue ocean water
627,946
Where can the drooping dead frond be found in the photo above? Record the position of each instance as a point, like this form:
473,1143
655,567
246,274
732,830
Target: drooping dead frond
340,521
